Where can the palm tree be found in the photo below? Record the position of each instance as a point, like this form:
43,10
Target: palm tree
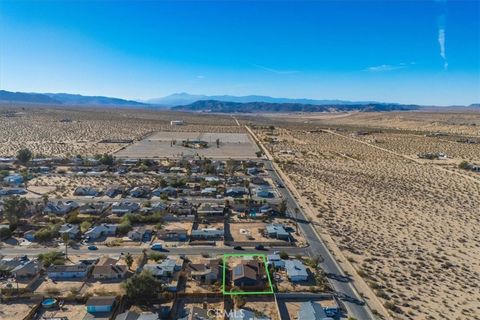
129,260
66,239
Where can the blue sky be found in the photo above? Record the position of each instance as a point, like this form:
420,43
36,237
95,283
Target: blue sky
425,52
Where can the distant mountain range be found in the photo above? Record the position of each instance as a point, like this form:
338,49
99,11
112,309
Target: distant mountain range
183,98
204,103
64,98
252,107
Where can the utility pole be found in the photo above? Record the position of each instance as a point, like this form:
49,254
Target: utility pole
296,218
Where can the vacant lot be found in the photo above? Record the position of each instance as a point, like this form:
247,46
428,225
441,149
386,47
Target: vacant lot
70,311
59,287
169,145
15,311
64,131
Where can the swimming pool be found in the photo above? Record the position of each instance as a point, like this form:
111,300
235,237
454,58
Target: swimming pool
48,303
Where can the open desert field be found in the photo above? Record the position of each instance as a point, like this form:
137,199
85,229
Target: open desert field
463,121
410,229
63,131
168,144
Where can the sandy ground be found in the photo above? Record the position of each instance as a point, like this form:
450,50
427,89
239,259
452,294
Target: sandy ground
60,287
14,311
70,311
265,307
410,229
42,131
160,145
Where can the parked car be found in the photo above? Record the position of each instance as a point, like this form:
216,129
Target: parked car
259,247
238,248
92,248
156,246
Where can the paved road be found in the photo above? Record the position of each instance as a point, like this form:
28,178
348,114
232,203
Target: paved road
354,304
187,250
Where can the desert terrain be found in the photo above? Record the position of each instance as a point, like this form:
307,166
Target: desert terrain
62,132
410,227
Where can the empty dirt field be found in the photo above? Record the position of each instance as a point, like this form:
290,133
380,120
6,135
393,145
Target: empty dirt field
15,310
169,145
411,230
67,131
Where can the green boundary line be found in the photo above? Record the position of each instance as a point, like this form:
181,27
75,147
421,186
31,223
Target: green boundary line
264,258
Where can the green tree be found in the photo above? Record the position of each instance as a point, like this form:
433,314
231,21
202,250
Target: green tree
5,233
107,159
46,234
142,287
15,208
85,225
283,255
464,165
51,257
129,260
24,156
124,227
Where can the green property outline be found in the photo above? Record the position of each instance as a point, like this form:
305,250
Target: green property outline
264,258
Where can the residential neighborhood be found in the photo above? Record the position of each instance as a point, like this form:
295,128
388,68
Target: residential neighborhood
101,243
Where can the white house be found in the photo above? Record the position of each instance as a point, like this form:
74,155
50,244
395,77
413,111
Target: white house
296,270
207,233
101,230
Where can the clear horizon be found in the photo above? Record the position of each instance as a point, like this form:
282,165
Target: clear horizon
422,53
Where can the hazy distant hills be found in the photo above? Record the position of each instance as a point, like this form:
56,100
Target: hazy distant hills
183,98
64,98
7,96
251,107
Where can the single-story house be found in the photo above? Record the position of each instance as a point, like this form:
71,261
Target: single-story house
236,192
172,234
71,229
140,234
312,311
86,191
275,261
244,314
109,272
211,209
276,230
259,181
12,191
101,230
165,269
248,273
13,180
168,191
60,208
264,193
29,235
97,208
206,272
100,304
113,191
209,191
207,233
21,267
77,271
140,192
296,270
124,207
